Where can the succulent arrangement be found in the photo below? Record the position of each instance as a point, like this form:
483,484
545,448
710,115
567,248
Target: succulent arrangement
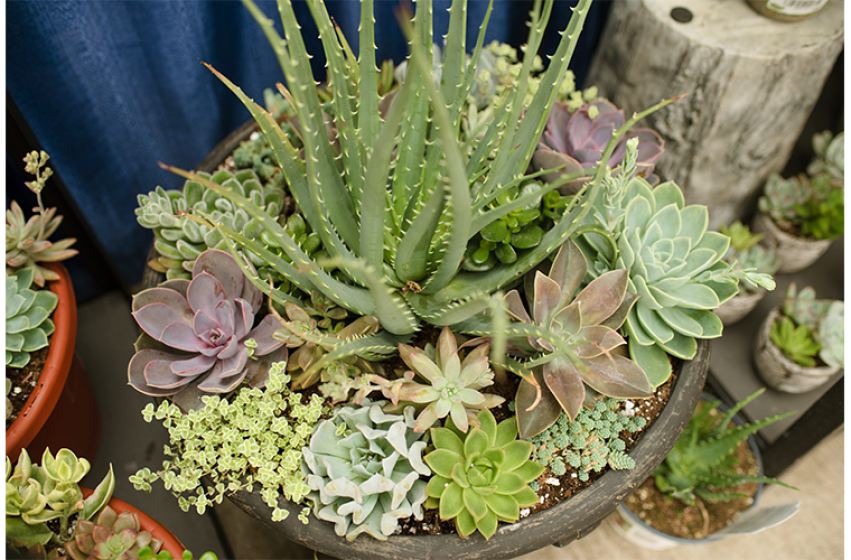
811,205
420,195
701,463
38,495
810,328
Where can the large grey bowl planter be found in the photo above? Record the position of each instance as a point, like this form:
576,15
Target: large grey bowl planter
570,520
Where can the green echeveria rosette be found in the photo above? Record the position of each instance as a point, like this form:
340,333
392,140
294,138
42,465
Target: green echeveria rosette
27,317
179,240
363,468
673,261
481,477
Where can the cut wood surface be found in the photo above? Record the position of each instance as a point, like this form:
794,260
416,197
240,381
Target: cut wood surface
751,84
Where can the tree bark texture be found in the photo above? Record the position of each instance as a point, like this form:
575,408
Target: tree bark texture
751,84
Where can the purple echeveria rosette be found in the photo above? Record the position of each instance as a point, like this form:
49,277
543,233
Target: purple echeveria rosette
195,333
577,141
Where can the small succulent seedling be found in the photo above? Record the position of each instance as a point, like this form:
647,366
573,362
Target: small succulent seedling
27,240
453,385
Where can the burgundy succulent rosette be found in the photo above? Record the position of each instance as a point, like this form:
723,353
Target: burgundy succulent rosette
578,141
195,334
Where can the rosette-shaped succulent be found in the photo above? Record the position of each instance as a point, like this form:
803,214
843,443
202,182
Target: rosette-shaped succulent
454,384
578,141
37,494
27,317
27,241
481,477
585,325
674,266
110,536
208,321
830,156
781,197
179,240
363,468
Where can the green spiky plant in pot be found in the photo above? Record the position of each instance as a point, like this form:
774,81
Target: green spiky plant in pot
267,401
705,483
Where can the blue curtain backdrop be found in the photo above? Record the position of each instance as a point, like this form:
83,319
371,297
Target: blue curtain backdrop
110,88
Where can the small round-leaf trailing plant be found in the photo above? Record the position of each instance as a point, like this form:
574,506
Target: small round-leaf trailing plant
589,442
480,477
252,440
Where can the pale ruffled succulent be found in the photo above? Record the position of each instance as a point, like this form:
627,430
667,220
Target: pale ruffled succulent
781,197
199,335
577,344
453,384
27,317
27,241
363,468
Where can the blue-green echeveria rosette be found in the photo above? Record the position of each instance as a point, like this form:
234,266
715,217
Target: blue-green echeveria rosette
675,269
481,477
363,468
27,317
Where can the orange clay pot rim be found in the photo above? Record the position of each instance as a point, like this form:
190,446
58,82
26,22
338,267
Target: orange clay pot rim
43,399
170,542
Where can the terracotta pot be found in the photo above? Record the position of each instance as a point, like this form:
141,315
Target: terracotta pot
170,542
796,253
778,371
62,410
737,308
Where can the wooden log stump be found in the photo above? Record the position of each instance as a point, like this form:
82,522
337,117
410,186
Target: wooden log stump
752,83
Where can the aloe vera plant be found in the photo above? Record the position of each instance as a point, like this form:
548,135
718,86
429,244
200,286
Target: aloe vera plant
395,209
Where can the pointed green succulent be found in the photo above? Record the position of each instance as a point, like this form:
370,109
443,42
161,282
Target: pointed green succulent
179,240
27,240
363,469
701,463
795,341
110,536
453,384
27,317
37,494
481,477
822,216
674,266
576,342
394,207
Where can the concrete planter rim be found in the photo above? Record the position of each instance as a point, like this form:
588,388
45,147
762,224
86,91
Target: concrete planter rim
796,253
